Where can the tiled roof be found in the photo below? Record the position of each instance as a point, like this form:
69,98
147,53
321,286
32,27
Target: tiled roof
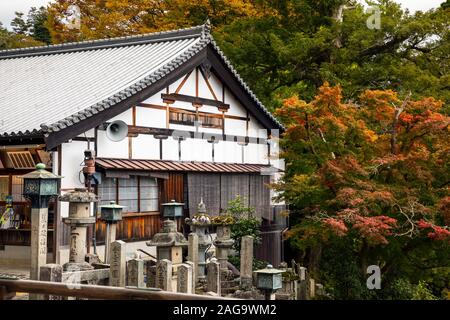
181,166
47,89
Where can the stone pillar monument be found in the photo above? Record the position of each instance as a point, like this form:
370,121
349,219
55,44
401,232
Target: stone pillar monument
246,262
200,224
79,219
223,244
39,187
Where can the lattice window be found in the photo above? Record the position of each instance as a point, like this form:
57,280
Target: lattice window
187,118
148,194
107,190
17,188
4,187
128,194
21,159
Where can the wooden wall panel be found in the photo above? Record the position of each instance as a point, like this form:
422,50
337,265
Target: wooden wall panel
172,188
136,228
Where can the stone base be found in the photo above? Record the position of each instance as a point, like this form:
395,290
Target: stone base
246,283
248,295
92,258
77,266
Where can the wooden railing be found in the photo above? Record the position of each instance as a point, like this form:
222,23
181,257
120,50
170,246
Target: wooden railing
8,288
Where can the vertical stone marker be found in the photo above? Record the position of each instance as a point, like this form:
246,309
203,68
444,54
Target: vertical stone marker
303,284
246,262
135,273
185,278
53,273
117,271
193,254
151,275
164,275
213,276
312,288
194,284
39,219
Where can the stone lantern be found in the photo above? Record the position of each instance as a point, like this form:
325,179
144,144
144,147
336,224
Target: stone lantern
169,243
79,219
111,214
269,280
223,244
200,225
172,209
39,187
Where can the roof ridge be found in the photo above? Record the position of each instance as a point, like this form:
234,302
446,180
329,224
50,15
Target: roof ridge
195,31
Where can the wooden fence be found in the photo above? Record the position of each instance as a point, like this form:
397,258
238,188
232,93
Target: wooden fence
8,289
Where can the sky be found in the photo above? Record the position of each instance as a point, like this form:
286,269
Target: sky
8,7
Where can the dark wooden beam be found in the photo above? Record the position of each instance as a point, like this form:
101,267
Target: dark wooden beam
194,100
133,130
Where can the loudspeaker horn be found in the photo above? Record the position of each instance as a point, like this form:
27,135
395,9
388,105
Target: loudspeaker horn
117,131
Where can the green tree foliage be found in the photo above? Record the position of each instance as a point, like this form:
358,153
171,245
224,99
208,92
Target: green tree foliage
33,25
10,40
307,43
246,224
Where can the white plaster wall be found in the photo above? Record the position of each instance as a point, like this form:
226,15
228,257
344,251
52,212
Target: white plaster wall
126,116
196,150
145,146
235,127
228,151
170,149
203,90
72,162
251,154
236,109
146,117
156,98
110,149
188,87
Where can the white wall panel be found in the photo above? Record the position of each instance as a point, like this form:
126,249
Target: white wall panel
126,116
236,108
203,90
145,146
170,149
147,117
228,151
156,98
235,127
251,153
196,150
188,87
109,149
